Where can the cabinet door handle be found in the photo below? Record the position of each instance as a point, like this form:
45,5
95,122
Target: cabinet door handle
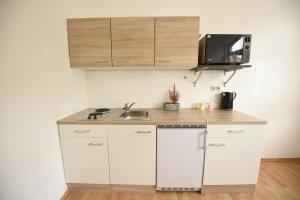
121,60
100,61
217,145
235,131
82,131
143,132
164,61
95,144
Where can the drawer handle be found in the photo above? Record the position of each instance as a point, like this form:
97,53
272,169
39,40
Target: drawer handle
143,132
164,61
235,131
95,144
217,145
82,131
122,60
100,61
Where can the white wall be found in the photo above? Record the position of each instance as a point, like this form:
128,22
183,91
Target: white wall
37,87
268,90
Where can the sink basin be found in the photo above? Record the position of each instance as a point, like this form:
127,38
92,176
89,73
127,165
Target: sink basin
135,115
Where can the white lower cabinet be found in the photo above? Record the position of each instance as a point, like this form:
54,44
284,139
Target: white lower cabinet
112,154
132,154
233,154
85,153
126,154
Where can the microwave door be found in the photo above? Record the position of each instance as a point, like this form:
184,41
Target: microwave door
224,49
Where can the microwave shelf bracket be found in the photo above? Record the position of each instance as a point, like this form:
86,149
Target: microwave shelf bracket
230,77
225,68
195,82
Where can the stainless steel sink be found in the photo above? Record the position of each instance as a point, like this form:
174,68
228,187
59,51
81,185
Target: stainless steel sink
135,115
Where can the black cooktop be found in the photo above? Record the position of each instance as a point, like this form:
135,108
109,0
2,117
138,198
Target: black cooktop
98,113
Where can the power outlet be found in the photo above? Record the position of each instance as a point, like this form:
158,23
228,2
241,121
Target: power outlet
214,88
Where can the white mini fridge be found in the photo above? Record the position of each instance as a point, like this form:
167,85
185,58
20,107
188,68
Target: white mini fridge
180,157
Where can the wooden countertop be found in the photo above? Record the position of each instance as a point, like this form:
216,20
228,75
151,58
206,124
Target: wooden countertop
157,116
230,117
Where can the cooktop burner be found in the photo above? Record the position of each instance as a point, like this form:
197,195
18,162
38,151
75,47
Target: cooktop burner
98,114
102,110
94,115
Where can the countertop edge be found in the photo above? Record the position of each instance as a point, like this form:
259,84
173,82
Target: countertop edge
236,122
164,123
204,119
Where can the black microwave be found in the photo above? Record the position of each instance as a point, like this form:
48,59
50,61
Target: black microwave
225,49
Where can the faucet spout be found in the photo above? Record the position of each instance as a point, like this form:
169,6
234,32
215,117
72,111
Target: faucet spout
127,106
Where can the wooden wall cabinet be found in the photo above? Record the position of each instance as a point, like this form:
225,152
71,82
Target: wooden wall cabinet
160,42
176,41
89,42
132,41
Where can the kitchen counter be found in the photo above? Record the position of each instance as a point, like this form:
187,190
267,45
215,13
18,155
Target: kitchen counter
157,116
230,117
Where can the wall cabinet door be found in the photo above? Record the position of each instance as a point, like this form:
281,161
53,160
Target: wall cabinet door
176,41
233,160
133,41
85,160
89,42
132,154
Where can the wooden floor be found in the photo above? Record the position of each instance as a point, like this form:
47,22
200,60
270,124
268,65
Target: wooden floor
277,181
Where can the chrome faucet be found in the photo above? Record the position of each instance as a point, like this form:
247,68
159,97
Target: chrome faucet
127,106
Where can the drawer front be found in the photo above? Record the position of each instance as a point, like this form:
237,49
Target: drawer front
83,131
231,161
234,131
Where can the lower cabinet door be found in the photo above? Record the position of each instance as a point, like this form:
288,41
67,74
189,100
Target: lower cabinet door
132,154
230,161
85,160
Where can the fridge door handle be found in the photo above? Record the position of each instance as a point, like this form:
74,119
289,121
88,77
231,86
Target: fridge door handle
200,143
